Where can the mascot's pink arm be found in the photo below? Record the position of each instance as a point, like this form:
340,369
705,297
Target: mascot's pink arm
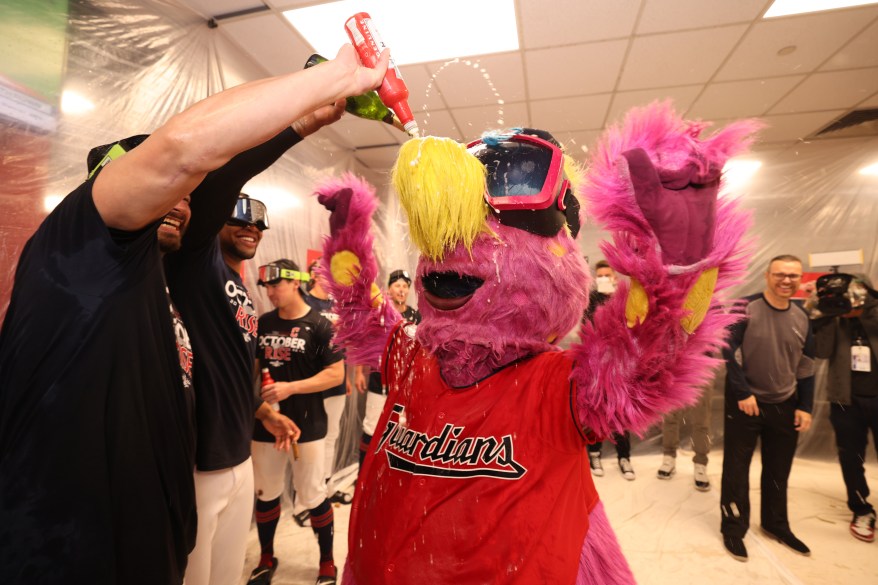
628,377
363,329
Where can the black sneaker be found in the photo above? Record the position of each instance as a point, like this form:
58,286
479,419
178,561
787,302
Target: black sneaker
340,497
303,518
735,547
262,575
789,539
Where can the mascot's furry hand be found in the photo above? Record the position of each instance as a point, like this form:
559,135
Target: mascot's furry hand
654,183
351,269
678,204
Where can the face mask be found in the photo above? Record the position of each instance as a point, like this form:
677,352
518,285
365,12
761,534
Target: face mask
605,285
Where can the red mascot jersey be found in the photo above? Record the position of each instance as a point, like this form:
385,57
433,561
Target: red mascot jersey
477,485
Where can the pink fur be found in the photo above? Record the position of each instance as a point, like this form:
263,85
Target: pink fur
627,377
530,296
365,330
602,561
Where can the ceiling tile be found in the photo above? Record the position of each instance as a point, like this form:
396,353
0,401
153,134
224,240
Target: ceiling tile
664,16
237,66
581,69
481,80
357,132
440,123
681,97
260,36
577,144
550,23
668,59
423,94
794,126
474,121
378,159
757,55
835,89
861,52
742,98
577,113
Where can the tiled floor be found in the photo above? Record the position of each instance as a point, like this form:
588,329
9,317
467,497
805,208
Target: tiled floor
670,532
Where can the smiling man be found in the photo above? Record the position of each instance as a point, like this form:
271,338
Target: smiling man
769,396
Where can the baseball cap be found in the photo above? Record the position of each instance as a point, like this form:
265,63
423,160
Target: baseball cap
397,274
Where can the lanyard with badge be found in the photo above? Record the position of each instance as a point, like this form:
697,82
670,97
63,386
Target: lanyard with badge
861,358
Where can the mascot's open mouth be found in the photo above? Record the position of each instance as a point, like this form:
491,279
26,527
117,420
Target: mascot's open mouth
447,291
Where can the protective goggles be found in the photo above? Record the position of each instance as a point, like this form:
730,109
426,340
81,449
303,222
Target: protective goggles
250,212
526,185
272,274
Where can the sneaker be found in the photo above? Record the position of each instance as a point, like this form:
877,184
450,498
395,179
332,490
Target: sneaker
303,518
262,574
340,497
863,527
735,547
594,460
329,576
790,540
702,482
627,470
668,468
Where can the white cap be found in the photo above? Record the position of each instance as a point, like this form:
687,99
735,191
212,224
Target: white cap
412,129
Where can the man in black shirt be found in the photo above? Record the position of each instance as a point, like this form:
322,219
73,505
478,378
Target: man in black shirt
846,332
96,439
295,344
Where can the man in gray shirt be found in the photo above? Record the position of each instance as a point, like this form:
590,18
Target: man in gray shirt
769,396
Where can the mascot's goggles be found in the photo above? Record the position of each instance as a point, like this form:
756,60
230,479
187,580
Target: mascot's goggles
526,186
272,274
250,212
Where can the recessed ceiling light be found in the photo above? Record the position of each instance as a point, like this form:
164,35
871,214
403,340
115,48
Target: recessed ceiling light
870,170
789,7
416,32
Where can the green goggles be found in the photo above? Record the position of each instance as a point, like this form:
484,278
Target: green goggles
272,274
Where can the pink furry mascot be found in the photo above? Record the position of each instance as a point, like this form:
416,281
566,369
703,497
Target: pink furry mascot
478,471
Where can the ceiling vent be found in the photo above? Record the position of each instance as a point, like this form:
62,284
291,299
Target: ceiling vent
853,124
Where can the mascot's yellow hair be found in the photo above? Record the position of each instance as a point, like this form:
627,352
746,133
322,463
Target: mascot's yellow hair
442,188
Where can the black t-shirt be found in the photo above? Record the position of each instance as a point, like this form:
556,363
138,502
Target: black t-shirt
374,383
863,383
326,310
96,429
296,349
219,313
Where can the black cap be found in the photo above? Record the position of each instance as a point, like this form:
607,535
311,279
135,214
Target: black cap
397,274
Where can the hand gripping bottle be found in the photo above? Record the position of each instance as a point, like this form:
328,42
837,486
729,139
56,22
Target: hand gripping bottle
393,90
266,380
367,105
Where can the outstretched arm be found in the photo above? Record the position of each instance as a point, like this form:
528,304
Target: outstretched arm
365,317
654,184
146,183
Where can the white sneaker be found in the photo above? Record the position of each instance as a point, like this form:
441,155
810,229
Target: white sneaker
627,470
668,468
863,527
594,460
702,482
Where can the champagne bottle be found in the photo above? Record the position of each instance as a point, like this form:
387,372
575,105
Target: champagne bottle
368,105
